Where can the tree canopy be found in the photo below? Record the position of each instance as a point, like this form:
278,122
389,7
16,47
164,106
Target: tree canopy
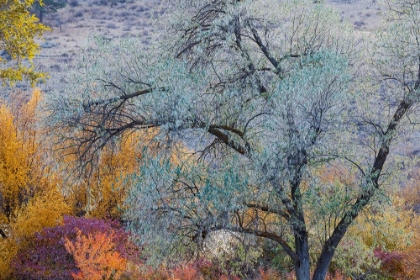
18,30
264,94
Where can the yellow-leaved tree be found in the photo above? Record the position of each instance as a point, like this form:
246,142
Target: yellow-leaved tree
100,190
18,30
29,196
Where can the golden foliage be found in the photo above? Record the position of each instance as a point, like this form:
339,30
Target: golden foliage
46,209
391,230
22,161
387,225
96,257
29,200
18,29
411,260
13,163
8,249
110,182
102,189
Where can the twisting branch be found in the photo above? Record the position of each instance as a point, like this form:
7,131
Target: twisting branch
268,235
227,140
91,104
266,208
102,120
264,48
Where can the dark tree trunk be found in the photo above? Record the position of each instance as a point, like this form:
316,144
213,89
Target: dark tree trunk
328,251
372,185
302,265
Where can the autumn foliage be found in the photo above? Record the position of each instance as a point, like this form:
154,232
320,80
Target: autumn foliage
291,147
105,188
41,244
18,31
95,256
30,199
80,248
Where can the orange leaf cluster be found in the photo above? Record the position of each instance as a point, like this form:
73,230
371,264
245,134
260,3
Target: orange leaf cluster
96,257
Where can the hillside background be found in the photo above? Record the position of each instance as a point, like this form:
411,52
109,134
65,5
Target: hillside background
78,20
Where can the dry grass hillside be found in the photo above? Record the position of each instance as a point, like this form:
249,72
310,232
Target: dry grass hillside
74,24
114,19
364,14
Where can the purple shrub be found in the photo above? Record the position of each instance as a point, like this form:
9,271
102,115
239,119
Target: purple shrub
391,262
47,258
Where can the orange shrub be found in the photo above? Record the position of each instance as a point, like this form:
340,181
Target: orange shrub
95,256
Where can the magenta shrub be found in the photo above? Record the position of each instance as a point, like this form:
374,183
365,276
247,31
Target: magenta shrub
47,258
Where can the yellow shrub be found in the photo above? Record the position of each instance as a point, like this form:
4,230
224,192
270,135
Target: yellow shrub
29,198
